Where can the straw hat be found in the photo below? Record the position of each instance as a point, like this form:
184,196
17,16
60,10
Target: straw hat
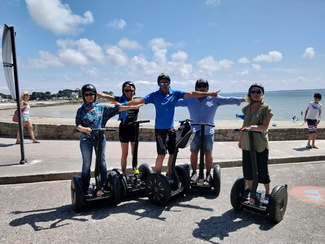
23,94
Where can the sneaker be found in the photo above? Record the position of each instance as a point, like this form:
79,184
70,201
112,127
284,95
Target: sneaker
247,194
194,176
266,199
208,178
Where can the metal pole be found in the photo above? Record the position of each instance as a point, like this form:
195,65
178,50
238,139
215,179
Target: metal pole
23,160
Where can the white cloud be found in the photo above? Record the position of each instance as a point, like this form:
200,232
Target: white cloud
213,2
88,48
46,59
244,72
256,66
125,43
72,57
91,71
273,56
309,53
209,65
179,57
117,24
140,66
159,43
116,57
243,60
57,17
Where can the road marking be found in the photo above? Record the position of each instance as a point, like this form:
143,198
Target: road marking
312,194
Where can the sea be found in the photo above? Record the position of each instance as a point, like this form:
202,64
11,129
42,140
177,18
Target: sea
284,104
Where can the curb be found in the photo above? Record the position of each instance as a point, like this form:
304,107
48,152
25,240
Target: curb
6,180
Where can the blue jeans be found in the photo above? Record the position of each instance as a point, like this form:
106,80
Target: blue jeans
196,143
87,143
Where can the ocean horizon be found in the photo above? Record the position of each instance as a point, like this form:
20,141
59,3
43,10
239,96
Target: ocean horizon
284,104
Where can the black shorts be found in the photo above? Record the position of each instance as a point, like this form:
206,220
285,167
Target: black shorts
165,140
126,133
312,126
262,168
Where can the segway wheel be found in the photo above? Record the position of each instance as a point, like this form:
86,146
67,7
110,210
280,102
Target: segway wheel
158,189
145,171
278,203
216,181
237,192
116,187
77,194
184,178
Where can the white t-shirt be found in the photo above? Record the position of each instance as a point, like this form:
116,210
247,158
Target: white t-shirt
314,110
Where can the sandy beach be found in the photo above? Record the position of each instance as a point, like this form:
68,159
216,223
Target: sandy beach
7,110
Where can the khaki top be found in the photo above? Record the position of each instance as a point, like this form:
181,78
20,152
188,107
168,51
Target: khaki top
256,118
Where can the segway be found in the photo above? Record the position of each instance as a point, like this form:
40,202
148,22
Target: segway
201,183
160,188
111,190
278,199
134,184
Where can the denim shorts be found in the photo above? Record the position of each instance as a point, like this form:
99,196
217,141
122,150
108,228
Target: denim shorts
208,143
25,117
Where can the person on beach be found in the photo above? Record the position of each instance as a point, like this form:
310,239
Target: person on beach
203,110
25,108
257,117
313,116
164,100
126,131
90,116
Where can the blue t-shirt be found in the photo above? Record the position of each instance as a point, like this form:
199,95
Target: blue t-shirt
205,110
165,106
96,118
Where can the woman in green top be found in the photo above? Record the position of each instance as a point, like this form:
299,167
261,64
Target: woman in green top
257,117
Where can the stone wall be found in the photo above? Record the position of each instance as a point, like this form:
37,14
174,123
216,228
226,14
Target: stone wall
47,131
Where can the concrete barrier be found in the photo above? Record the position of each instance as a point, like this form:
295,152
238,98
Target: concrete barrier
49,131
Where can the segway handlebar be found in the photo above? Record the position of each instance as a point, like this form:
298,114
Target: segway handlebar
205,124
104,129
185,121
254,131
138,122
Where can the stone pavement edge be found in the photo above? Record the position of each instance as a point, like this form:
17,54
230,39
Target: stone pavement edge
61,159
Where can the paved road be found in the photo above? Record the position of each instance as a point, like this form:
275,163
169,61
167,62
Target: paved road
41,212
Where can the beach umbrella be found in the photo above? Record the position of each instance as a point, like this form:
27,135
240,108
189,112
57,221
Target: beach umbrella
11,74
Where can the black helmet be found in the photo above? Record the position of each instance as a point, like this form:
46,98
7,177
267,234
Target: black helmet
256,85
201,81
128,83
88,87
163,76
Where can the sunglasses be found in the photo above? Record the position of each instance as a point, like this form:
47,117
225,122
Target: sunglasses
126,90
164,83
255,92
89,94
201,86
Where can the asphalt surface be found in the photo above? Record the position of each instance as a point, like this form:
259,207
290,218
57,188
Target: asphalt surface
61,159
41,213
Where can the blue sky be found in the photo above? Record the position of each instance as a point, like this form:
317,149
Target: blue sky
65,44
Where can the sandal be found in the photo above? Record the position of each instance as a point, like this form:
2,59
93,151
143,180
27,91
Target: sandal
315,147
309,147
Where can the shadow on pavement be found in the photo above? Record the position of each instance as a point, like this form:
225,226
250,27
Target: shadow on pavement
231,221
